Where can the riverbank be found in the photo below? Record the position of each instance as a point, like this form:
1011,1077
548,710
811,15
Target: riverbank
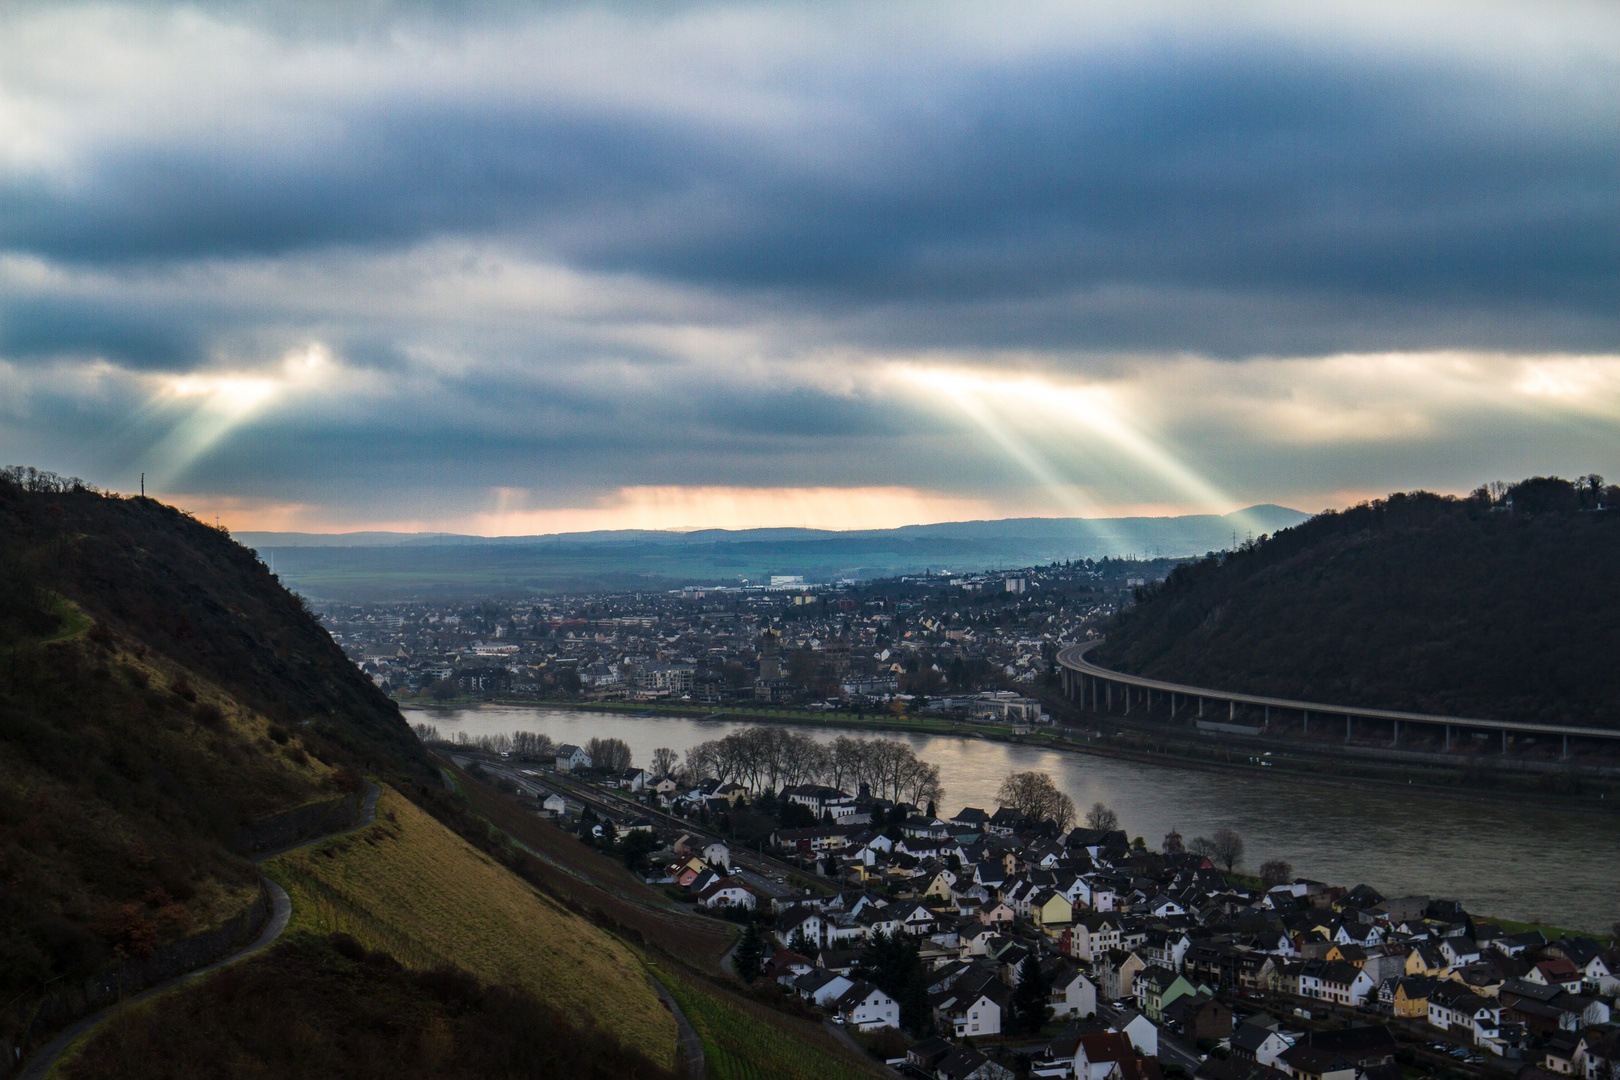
1105,738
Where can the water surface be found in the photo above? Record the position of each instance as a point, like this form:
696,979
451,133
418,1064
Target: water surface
1529,864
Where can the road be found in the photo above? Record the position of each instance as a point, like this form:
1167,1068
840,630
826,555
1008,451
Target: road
280,914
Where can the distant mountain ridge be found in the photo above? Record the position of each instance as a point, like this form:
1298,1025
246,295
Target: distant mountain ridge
373,566
1264,517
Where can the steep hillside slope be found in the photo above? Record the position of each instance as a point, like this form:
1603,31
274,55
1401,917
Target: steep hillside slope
1497,607
166,708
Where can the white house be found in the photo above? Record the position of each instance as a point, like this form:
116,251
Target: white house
1072,993
717,854
724,892
822,986
868,1008
1140,1031
571,757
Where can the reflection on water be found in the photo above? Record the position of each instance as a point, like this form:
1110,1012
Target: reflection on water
1528,864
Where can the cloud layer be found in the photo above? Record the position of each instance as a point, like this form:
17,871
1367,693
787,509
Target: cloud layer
1253,253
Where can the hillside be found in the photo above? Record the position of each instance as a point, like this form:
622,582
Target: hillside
1502,605
167,709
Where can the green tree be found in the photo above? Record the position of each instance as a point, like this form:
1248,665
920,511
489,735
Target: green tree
749,958
637,846
1030,1005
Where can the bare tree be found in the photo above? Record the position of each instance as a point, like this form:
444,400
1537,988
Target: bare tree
610,754
1227,847
1202,845
1102,818
664,761
703,762
1275,872
1037,798
533,746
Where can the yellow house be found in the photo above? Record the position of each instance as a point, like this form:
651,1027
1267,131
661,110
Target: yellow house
1412,999
1050,908
1426,960
1349,954
939,888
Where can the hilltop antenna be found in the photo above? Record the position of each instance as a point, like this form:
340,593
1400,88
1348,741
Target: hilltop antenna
143,485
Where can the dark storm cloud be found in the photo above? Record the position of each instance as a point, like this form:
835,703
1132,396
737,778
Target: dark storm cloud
1252,194
127,332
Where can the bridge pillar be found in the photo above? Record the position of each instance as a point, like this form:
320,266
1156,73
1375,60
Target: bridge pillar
1172,704
1396,741
1346,727
1110,692
1200,708
1448,736
1504,740
1127,689
1268,718
1231,711
1566,746
1307,713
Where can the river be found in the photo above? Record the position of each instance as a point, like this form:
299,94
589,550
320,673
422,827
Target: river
1528,864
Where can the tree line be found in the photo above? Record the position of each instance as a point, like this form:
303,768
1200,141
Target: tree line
770,758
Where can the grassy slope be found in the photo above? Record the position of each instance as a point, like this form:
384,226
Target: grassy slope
412,888
743,1040
314,1007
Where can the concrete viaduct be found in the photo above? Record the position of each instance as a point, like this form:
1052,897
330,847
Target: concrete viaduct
1097,688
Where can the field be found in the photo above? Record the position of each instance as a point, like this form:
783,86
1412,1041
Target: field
410,887
743,1040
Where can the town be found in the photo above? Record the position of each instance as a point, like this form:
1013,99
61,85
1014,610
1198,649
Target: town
1031,939
925,643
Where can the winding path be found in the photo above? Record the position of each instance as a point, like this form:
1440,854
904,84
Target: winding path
691,1044
45,1057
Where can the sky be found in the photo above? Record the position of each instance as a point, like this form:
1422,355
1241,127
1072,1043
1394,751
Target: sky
509,269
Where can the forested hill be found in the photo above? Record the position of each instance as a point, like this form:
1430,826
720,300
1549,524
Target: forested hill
1502,605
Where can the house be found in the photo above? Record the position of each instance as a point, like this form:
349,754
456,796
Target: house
571,758
974,1009
1157,987
1410,999
1261,1045
1199,1017
820,799
972,818
1049,909
998,912
1006,821
724,892
821,986
1305,1062
1340,983
1106,1056
1140,1030
969,1064
801,920
866,1007
634,779
1072,994
1458,1009
554,804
